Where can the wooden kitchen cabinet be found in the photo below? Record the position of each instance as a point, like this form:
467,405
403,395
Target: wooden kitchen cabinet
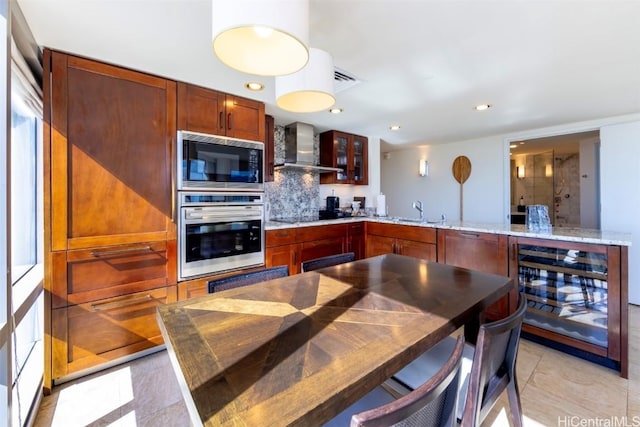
321,241
384,238
91,274
269,149
281,248
345,151
89,334
208,111
292,246
110,232
486,252
111,143
356,239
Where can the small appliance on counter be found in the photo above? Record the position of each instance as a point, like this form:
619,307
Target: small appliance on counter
332,214
333,203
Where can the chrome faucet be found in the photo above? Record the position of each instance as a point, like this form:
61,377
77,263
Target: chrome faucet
418,205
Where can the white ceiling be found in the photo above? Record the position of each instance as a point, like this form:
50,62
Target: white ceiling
422,64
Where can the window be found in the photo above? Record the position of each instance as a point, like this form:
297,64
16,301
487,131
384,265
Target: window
24,188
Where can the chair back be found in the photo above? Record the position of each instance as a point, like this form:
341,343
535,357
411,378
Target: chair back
493,368
432,404
244,279
327,261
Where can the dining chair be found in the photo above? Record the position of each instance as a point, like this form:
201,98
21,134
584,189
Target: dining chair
488,369
244,279
327,261
431,404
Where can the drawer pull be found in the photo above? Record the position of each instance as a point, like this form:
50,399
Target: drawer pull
121,303
472,235
120,251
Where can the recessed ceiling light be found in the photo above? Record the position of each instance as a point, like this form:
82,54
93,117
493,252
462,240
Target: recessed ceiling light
512,146
394,127
254,86
482,107
336,110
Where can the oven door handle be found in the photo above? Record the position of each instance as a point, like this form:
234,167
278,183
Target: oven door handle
226,217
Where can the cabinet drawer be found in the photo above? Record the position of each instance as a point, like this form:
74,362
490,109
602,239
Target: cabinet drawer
90,275
282,236
406,232
306,234
87,335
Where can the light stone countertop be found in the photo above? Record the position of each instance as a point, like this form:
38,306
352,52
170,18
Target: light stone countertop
569,234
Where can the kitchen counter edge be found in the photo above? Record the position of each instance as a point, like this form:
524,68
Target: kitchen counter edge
571,234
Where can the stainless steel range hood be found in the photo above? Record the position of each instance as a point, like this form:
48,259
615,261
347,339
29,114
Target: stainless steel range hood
298,149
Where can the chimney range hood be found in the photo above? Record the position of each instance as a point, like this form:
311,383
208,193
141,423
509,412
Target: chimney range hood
298,149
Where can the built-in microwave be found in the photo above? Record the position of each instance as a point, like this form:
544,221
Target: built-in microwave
208,162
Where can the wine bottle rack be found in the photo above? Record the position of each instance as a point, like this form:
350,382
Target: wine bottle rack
567,291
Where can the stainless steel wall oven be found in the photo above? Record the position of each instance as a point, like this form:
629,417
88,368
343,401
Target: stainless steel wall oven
219,231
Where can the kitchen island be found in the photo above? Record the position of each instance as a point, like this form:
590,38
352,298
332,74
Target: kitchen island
299,350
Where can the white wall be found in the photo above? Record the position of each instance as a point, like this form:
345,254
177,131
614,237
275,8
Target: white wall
589,180
487,194
483,199
619,183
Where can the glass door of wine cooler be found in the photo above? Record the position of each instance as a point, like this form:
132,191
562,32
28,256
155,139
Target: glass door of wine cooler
567,290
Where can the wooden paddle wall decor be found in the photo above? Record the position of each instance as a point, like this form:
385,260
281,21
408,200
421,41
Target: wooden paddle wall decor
461,170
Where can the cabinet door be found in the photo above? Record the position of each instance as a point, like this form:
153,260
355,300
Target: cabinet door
269,149
201,110
283,255
426,251
92,274
110,173
360,165
87,335
484,252
379,245
335,152
321,248
244,118
356,239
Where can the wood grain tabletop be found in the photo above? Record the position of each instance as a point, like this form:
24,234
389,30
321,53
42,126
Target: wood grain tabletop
298,350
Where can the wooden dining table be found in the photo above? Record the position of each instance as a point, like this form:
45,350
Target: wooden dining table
300,349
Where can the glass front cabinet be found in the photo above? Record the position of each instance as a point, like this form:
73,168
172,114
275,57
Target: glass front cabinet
577,296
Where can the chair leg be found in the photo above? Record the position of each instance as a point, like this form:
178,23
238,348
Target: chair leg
514,403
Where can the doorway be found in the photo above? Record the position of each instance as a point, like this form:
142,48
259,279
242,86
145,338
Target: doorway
560,172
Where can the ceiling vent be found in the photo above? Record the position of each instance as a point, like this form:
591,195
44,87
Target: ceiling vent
343,80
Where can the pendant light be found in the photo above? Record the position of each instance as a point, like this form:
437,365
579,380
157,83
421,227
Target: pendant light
262,37
310,89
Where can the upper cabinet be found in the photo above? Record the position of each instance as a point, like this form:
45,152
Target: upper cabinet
269,149
109,140
347,152
208,111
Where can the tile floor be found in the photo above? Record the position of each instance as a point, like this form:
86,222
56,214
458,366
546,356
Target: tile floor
556,390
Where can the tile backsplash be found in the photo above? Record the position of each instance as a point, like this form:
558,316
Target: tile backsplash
293,193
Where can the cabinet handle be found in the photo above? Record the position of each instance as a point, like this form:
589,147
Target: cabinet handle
221,120
173,181
472,235
120,251
229,121
121,303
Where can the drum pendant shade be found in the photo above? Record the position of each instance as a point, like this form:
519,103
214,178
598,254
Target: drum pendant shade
261,37
310,89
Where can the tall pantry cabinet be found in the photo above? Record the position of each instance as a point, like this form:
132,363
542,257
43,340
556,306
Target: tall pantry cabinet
110,230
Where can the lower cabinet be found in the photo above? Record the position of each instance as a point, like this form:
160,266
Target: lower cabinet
486,252
89,334
418,242
292,246
356,239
